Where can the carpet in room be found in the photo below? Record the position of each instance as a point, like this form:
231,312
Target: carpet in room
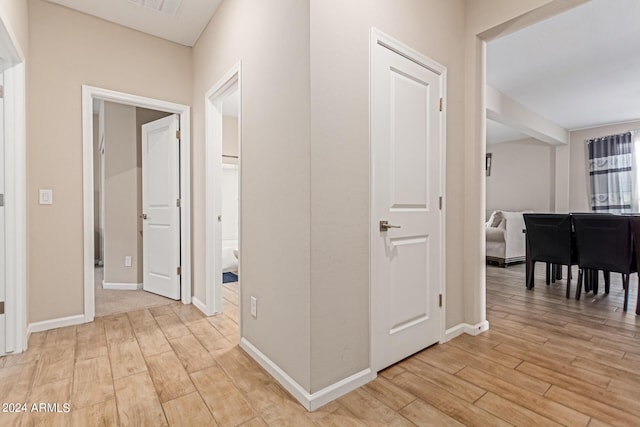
111,301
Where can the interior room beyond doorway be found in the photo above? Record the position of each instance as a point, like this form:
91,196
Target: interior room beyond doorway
230,205
118,216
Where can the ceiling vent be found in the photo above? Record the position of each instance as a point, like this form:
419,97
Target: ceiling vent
168,7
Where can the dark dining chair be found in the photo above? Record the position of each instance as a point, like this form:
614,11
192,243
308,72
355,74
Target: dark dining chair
605,242
550,240
635,228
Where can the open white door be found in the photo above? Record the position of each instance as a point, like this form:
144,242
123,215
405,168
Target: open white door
160,207
407,252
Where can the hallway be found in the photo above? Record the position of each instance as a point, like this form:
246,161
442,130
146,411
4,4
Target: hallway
545,361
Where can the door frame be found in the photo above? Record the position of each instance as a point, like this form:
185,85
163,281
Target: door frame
89,93
231,81
15,190
377,37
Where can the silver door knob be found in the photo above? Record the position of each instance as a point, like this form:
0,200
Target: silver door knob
384,226
143,216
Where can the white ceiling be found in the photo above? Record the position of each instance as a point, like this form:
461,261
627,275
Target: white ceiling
185,28
497,133
579,69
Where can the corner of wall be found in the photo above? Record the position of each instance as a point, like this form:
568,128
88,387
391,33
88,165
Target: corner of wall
465,328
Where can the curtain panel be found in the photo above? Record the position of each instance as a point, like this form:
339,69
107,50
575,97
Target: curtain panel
611,173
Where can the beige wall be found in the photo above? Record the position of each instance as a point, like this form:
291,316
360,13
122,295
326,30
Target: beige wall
522,176
230,139
16,18
579,178
121,195
68,49
340,158
272,40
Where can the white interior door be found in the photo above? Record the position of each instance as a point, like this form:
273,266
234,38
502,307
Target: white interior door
160,207
407,146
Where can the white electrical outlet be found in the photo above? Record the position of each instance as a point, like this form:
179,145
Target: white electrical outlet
127,261
254,307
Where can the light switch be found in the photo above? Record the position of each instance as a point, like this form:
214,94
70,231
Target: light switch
46,196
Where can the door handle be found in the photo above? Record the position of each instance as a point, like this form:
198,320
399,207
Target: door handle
143,216
384,226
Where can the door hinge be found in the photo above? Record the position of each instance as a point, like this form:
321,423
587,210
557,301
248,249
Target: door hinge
178,134
179,271
1,199
1,307
178,203
440,202
1,91
440,300
440,104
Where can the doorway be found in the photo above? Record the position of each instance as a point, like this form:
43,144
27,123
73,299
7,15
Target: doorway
407,217
230,205
223,148
96,253
135,211
12,196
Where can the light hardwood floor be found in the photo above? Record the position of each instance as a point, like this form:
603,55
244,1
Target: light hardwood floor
545,361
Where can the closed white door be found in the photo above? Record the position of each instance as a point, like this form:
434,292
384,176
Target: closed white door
407,144
160,207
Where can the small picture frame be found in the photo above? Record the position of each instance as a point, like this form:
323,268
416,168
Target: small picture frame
487,164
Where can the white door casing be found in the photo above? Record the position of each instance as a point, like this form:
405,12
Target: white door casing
214,100
89,94
2,226
14,210
161,213
407,142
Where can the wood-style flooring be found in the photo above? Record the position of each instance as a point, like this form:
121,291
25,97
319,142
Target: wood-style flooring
545,361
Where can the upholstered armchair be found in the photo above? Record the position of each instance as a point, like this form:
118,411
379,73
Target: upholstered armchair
505,239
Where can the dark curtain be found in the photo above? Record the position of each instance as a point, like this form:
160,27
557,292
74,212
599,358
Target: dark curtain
611,174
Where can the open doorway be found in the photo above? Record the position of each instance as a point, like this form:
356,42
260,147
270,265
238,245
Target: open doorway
230,204
121,165
12,195
136,200
546,95
223,197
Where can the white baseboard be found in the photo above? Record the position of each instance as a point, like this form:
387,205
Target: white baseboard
45,325
200,306
465,328
310,401
122,286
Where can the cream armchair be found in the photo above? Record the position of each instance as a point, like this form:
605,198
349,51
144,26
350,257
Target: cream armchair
505,239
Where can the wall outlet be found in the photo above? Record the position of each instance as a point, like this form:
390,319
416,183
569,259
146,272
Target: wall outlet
127,261
254,307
